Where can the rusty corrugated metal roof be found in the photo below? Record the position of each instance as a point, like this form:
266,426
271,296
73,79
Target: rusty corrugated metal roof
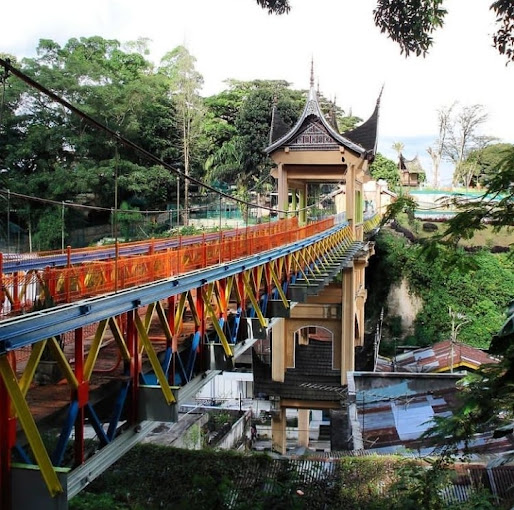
436,358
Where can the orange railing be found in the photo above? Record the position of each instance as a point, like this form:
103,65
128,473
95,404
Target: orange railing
23,291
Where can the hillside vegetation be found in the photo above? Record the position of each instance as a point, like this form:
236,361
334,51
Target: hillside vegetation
478,285
155,477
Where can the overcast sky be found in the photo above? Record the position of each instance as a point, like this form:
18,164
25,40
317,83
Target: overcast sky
352,59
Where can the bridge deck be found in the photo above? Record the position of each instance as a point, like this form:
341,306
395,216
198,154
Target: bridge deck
154,317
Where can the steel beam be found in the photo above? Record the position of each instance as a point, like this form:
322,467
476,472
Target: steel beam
22,331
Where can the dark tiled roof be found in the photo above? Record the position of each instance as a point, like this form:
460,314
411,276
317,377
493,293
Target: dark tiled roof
413,166
312,114
366,134
278,128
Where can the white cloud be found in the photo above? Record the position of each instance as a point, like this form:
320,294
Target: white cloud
236,39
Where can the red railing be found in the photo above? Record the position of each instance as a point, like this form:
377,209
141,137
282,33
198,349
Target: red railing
26,291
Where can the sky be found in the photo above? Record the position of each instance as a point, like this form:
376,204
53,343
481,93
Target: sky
352,59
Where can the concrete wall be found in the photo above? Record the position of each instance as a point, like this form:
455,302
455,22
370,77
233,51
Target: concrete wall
239,430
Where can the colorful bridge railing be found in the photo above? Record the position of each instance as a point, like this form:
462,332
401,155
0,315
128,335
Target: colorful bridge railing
145,304
26,290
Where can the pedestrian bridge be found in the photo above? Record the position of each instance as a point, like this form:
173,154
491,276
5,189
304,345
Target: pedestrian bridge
166,316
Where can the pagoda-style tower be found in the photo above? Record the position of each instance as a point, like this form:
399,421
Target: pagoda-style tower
313,151
313,347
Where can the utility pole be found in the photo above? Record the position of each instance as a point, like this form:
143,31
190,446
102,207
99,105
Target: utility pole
455,329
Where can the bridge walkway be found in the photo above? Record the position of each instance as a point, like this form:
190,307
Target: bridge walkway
171,335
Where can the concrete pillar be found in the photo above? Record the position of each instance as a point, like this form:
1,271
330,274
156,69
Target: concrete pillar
303,427
294,202
278,432
360,288
348,351
278,350
350,196
302,218
303,336
283,190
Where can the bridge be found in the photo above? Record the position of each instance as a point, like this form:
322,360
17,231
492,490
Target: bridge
137,329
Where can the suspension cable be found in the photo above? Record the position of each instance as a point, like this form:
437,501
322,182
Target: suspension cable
121,139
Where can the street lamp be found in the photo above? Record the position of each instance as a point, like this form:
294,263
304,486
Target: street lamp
178,201
8,219
63,223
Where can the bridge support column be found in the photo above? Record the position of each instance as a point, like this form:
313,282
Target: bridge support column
283,190
5,449
348,350
303,427
278,351
302,217
278,432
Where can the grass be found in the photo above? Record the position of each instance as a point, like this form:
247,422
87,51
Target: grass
486,237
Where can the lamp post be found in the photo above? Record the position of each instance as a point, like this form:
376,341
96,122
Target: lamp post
178,201
62,227
63,233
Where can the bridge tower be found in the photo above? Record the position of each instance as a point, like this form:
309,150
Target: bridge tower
314,347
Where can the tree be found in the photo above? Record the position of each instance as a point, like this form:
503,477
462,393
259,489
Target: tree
462,138
51,154
494,207
398,148
487,160
436,151
239,128
384,168
185,84
411,23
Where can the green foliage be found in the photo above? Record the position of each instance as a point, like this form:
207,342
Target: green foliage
488,159
154,477
411,23
384,168
128,218
91,501
404,203
495,206
49,230
50,153
479,286
365,480
419,487
275,6
194,437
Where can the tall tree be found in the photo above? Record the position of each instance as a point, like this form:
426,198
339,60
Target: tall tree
436,151
488,160
50,153
384,168
242,121
185,84
462,138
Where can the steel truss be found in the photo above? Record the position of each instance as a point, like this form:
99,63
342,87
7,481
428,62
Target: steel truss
190,311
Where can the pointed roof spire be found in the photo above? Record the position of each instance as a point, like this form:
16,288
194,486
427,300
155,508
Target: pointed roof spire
366,135
312,116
